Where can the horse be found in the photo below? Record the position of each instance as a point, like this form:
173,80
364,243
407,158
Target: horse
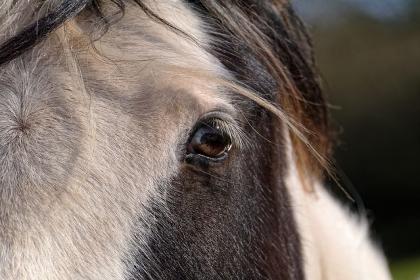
146,139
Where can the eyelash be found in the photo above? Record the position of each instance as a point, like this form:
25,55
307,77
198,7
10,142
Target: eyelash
208,137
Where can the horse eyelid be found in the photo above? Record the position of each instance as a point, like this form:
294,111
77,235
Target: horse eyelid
227,124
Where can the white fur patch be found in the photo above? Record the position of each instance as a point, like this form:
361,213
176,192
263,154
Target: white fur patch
336,244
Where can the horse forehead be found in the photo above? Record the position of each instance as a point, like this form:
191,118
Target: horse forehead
177,38
135,91
141,57
138,66
138,49
135,79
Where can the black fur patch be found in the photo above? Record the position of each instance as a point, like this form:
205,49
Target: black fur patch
232,222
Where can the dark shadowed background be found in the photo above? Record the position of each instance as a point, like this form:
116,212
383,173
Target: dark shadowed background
368,52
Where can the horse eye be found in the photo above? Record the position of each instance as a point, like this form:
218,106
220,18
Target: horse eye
209,141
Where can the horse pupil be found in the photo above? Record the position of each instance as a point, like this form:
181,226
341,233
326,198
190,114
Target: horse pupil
209,141
213,144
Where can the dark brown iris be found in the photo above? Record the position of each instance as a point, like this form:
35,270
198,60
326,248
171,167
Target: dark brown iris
209,141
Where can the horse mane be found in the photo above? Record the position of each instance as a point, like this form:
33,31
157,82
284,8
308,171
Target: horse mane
281,45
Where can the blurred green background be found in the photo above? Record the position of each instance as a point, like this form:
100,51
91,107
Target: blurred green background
368,52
